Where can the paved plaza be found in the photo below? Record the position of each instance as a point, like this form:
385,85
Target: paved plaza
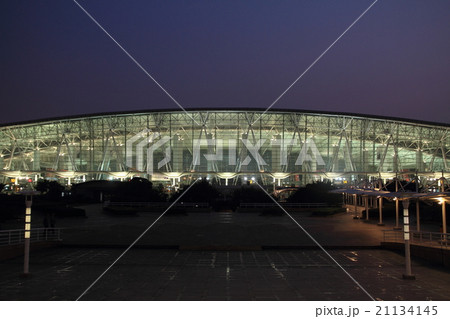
220,256
227,228
152,274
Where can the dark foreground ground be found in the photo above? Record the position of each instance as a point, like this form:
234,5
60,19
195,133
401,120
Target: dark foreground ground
150,274
268,258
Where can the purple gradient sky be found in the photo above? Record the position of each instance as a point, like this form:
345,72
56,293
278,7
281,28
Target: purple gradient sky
56,62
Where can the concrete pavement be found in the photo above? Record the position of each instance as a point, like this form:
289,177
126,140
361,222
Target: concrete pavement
267,258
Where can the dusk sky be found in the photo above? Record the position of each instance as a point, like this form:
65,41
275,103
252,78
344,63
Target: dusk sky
56,62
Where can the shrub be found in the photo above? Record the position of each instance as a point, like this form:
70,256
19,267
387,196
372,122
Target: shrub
315,193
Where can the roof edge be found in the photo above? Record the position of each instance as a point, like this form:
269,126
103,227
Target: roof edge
235,109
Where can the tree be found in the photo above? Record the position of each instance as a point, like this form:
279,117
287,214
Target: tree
202,191
138,189
318,192
250,194
51,189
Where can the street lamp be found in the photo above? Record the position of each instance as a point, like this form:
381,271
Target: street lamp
397,226
27,233
406,235
405,197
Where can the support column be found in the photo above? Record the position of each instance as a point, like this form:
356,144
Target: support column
355,198
276,153
444,217
36,160
380,211
397,226
243,153
177,153
417,215
406,235
419,160
366,202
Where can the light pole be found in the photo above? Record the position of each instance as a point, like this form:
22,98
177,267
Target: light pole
396,227
416,181
380,203
442,202
406,235
405,197
27,232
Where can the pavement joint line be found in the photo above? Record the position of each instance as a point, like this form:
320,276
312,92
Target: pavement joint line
135,61
319,245
315,61
137,239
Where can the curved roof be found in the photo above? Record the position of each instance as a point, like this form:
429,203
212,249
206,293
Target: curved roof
232,109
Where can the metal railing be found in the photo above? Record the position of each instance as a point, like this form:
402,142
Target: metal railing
16,236
155,204
434,239
205,205
292,205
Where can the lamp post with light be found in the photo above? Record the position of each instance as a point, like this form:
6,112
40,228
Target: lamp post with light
27,231
442,202
404,197
397,226
406,234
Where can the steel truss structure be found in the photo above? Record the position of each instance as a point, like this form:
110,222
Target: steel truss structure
290,147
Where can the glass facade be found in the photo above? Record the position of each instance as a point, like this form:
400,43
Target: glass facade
289,147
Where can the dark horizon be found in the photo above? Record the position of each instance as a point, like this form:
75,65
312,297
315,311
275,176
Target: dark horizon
209,54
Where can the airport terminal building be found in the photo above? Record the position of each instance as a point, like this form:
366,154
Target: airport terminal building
228,146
